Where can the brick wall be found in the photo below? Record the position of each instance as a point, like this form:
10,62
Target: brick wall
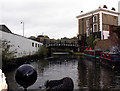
109,20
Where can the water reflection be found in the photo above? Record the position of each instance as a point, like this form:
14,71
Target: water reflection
89,74
56,69
94,76
85,72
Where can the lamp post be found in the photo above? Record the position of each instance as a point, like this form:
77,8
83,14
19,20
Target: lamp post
23,27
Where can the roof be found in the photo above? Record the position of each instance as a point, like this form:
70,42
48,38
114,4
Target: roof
5,29
98,10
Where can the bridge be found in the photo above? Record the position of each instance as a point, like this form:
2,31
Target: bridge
57,47
62,45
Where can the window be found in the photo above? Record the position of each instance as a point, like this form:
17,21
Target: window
35,44
88,32
38,45
87,23
115,17
95,27
32,44
95,18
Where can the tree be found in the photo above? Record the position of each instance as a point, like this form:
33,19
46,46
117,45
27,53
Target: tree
65,38
6,53
32,38
46,37
89,41
42,52
74,38
95,41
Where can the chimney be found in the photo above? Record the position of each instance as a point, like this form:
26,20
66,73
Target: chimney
99,7
81,11
105,6
113,9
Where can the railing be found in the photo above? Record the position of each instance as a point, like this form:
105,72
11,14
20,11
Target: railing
61,44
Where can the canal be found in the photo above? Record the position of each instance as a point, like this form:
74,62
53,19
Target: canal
85,72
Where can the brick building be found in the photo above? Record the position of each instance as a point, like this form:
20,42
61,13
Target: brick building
98,22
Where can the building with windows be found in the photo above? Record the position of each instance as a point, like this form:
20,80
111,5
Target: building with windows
97,22
20,44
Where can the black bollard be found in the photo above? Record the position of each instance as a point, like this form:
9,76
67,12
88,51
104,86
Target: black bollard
25,76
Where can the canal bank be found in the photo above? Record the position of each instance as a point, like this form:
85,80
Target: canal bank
86,74
11,62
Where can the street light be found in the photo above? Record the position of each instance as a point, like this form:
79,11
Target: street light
23,27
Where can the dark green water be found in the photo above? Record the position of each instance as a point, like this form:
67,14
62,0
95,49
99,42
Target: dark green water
85,73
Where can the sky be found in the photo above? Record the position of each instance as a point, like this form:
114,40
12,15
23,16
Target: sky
55,18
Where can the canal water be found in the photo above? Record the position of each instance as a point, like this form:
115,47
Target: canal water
85,72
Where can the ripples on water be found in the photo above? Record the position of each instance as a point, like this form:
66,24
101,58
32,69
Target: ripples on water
85,73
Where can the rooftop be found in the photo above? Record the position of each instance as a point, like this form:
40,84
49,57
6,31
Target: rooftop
98,10
5,29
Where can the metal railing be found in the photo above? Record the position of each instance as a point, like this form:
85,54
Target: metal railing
62,44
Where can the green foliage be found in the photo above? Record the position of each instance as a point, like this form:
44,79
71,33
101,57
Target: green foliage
32,38
46,37
95,41
74,38
6,53
89,41
42,52
65,38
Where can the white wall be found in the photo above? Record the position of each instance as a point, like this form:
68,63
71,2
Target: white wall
21,44
119,12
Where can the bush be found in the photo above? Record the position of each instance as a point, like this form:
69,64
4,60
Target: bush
95,41
89,41
6,53
42,52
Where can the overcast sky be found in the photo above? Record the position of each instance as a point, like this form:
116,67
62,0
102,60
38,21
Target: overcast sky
55,18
